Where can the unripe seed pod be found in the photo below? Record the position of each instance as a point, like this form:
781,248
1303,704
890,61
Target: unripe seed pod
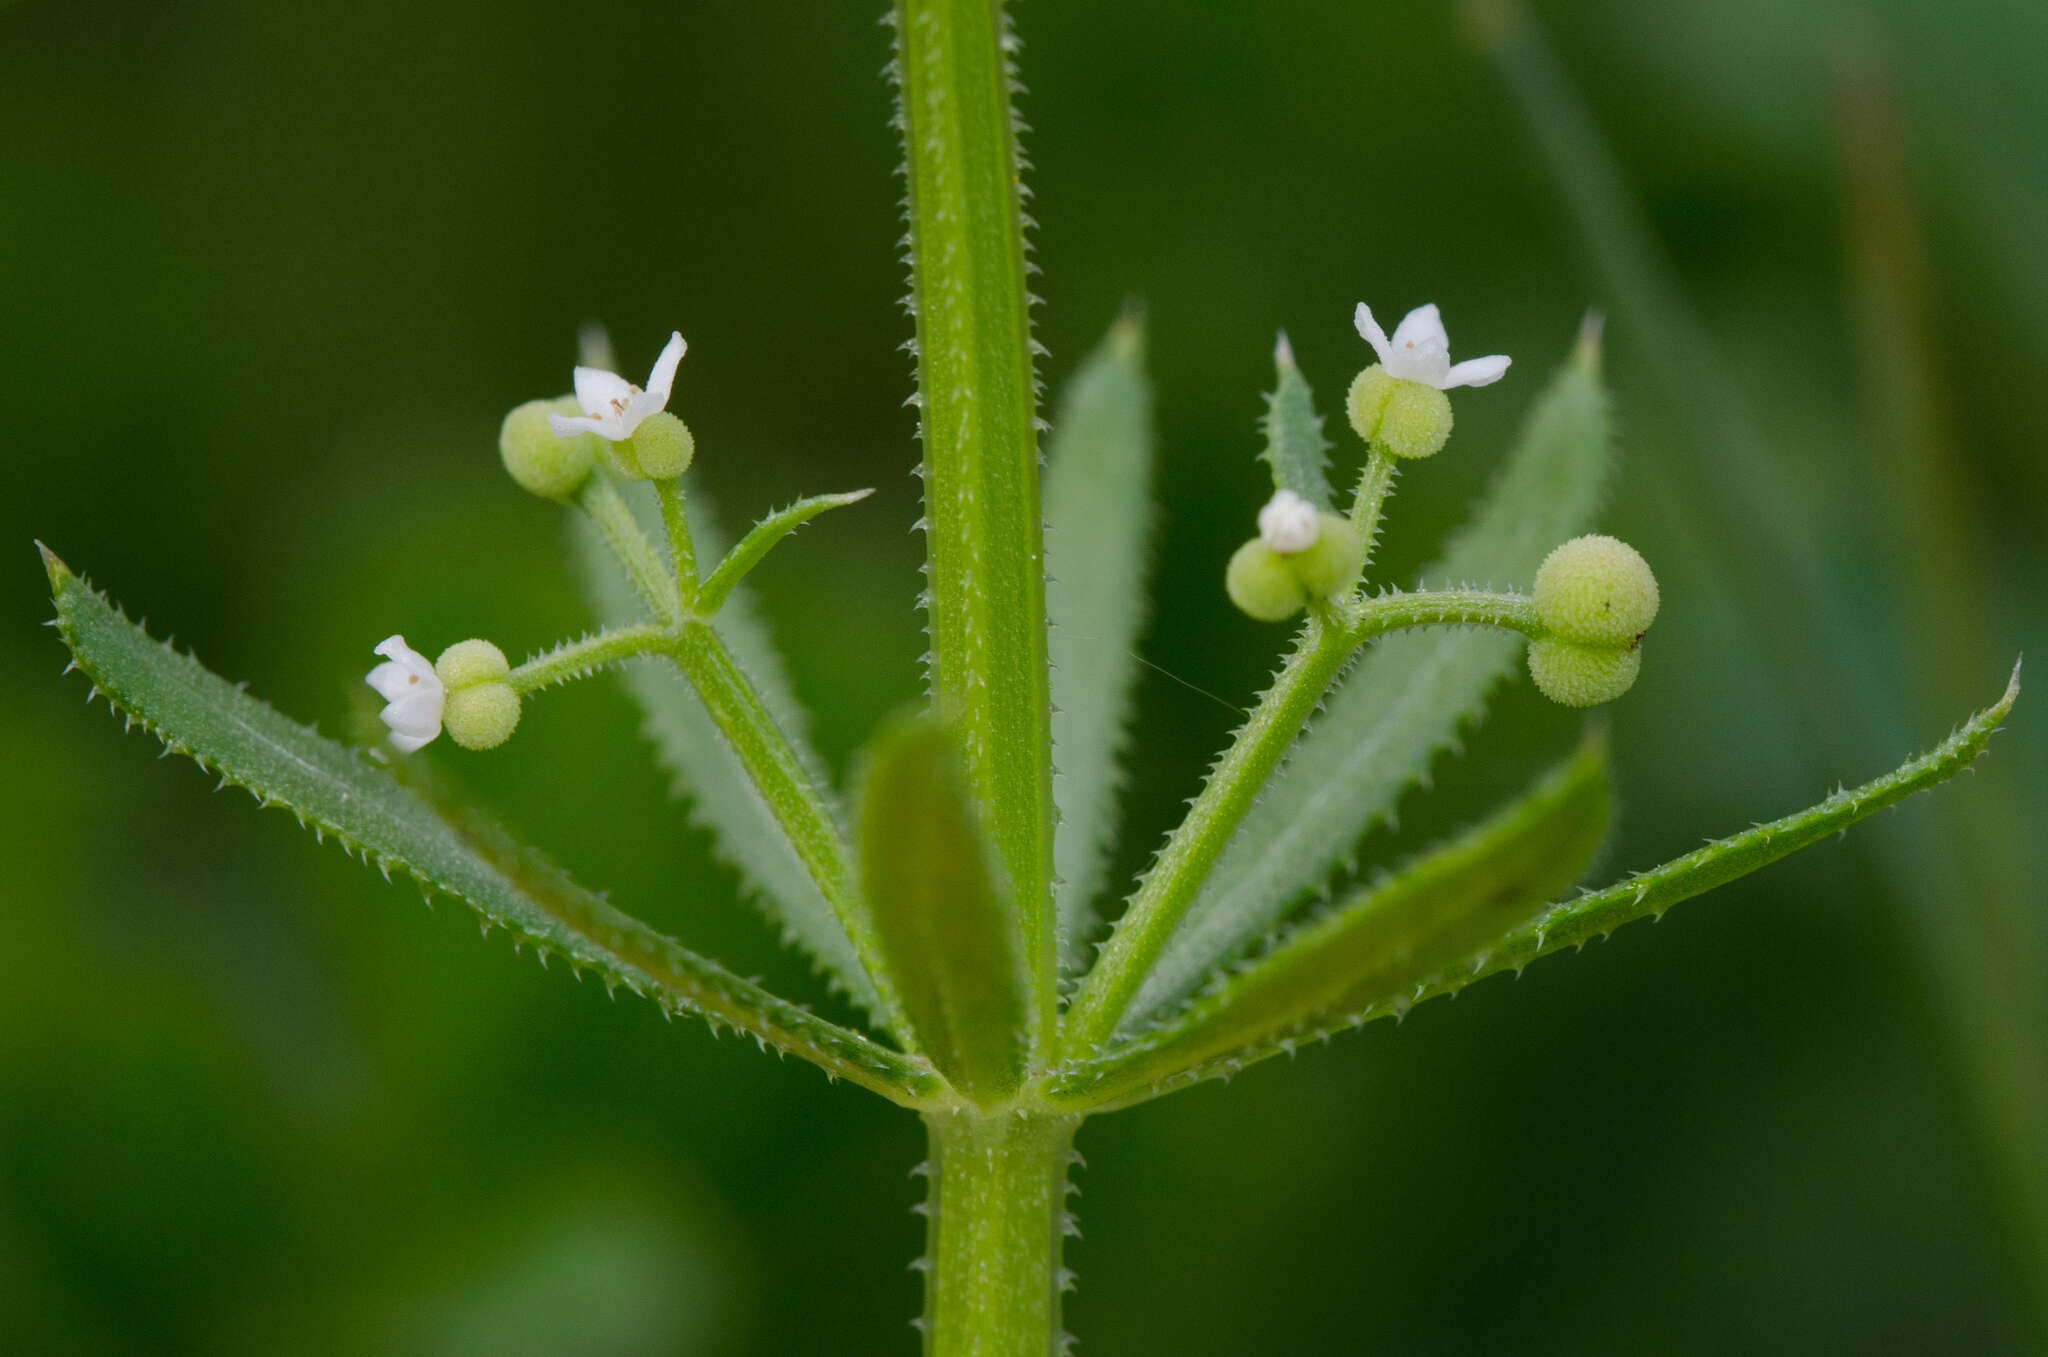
1263,583
481,716
660,448
1580,675
470,662
1333,561
1416,421
542,461
1366,402
1596,591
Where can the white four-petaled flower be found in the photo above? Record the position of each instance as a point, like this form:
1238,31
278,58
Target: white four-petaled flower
612,406
413,694
1288,523
1420,351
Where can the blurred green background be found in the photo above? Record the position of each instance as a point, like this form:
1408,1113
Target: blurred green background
269,276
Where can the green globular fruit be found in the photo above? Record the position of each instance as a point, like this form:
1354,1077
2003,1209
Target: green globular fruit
542,461
1332,563
1596,591
1367,400
1582,675
471,662
481,716
1416,420
660,448
1263,583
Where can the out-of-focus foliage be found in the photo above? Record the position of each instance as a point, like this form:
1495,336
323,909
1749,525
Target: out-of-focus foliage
270,277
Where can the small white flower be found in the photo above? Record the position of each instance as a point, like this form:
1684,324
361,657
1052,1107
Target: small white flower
1420,351
612,406
1288,523
413,694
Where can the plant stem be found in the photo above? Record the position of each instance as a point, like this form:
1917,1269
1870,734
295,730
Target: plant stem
994,1224
1373,488
1191,850
1335,629
614,520
573,659
680,550
797,804
978,395
1441,607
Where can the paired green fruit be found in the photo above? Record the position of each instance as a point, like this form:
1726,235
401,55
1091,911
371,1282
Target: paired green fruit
482,709
1272,586
1597,596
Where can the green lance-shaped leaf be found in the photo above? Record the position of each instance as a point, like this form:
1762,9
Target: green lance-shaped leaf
1098,520
977,395
1572,923
1403,703
1296,451
757,543
1375,948
338,791
948,930
701,762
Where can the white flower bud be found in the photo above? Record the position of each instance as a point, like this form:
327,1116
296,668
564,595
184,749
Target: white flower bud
1288,523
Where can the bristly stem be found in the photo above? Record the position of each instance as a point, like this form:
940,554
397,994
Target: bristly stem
614,521
978,395
572,659
1192,848
1335,629
1442,607
797,803
681,552
995,1220
1370,502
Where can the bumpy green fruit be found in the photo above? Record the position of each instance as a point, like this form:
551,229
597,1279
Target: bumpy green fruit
481,716
1367,400
661,447
1581,675
1263,583
471,662
542,461
1596,591
1332,562
1416,421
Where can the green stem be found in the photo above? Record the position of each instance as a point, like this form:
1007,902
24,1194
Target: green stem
1443,607
680,549
1374,486
995,1220
1335,629
978,395
573,659
614,520
1169,888
796,802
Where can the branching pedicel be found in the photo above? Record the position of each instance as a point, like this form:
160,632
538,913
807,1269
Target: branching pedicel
948,907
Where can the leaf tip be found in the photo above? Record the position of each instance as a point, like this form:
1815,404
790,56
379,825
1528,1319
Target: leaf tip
58,571
1127,335
1586,349
1283,353
1490,23
1593,741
